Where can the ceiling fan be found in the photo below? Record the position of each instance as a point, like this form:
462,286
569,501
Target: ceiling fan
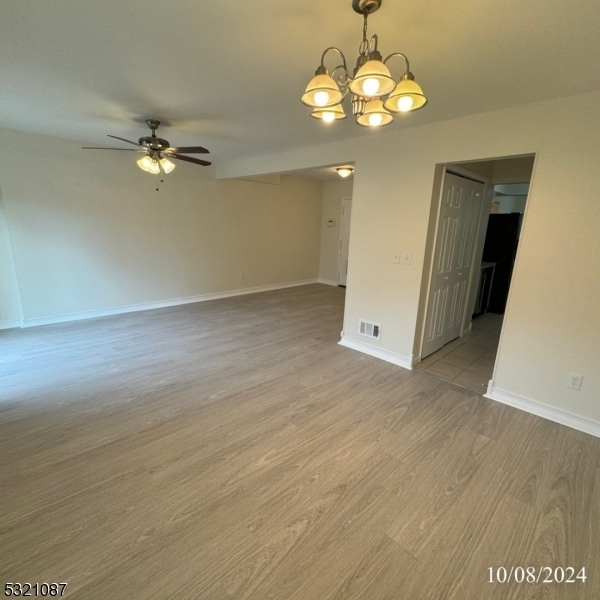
157,151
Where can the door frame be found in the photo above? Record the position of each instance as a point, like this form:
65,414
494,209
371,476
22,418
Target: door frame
345,219
428,263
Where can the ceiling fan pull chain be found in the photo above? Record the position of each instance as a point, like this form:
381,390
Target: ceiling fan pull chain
160,175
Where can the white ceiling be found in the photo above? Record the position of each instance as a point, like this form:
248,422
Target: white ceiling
228,74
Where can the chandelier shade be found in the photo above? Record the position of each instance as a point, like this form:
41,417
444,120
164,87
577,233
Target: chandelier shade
374,94
407,96
329,113
322,91
372,80
375,114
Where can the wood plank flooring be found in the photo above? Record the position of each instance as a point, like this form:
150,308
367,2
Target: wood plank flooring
232,449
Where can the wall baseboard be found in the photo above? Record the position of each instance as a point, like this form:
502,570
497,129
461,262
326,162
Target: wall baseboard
542,410
329,282
11,324
117,310
397,359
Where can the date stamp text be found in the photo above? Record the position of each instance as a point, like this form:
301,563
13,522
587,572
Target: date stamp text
536,574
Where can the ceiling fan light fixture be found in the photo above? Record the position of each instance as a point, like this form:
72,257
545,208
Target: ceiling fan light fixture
145,163
154,167
166,165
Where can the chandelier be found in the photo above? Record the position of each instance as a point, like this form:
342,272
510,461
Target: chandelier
375,96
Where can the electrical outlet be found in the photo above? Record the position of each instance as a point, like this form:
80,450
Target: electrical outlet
396,258
574,381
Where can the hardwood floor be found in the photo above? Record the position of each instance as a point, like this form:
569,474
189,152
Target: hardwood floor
232,449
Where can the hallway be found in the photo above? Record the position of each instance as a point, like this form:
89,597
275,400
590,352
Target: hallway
468,361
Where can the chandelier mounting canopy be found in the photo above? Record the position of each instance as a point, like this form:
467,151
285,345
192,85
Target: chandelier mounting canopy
366,7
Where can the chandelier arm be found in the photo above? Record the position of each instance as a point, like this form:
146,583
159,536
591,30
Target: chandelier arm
401,56
336,50
343,79
373,43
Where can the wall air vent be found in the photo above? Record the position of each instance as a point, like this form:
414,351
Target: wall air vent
372,330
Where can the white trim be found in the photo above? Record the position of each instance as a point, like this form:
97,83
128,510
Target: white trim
397,359
467,329
329,282
343,217
542,410
11,323
93,314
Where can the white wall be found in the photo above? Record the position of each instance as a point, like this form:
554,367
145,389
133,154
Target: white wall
333,193
10,303
89,233
551,325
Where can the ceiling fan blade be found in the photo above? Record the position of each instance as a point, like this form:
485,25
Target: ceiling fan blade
196,161
124,140
105,148
189,150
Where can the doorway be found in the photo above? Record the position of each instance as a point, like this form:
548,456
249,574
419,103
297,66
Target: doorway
501,242
469,359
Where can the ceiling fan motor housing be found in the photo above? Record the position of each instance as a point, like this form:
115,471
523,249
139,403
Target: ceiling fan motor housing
154,143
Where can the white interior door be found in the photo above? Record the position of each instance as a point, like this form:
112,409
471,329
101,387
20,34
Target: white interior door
344,240
456,235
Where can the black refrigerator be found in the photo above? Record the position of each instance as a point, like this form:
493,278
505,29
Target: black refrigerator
500,247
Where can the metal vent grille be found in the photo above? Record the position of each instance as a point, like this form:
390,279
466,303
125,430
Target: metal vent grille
372,330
